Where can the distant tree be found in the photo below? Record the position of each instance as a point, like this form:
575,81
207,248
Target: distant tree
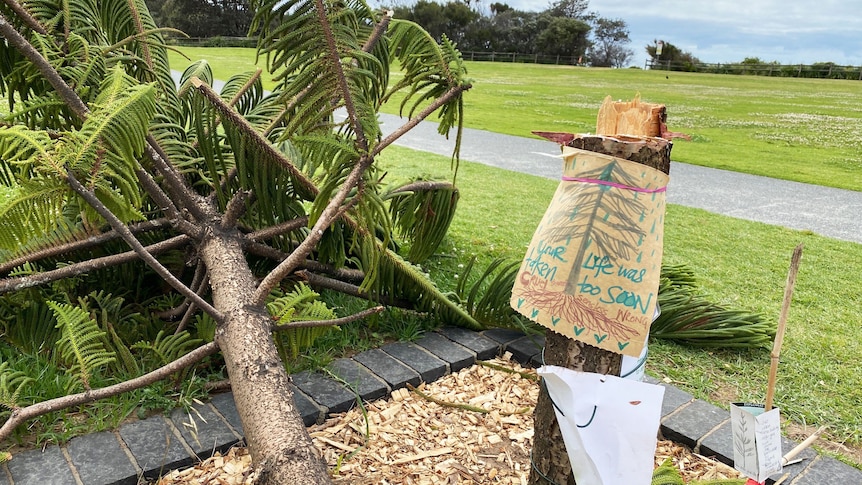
497,8
515,31
564,36
458,17
203,18
609,46
573,9
452,19
430,16
672,57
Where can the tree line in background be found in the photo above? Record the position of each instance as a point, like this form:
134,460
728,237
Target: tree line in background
565,32
567,28
203,18
672,58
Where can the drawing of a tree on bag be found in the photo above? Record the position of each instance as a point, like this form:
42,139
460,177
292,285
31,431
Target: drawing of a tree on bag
591,271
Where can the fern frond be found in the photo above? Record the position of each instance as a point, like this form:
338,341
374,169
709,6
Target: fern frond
290,37
12,382
32,213
300,304
109,314
167,348
81,345
104,152
135,39
430,70
666,474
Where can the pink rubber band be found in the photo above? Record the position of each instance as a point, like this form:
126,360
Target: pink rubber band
614,184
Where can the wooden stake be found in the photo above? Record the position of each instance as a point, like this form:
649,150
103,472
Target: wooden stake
802,446
782,324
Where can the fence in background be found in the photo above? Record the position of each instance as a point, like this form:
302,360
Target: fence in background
826,70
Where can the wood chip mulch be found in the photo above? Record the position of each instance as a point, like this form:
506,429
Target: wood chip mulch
471,427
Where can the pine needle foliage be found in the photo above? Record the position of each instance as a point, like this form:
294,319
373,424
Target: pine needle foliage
487,298
81,345
422,214
688,318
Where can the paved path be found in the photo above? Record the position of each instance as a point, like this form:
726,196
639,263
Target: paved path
826,211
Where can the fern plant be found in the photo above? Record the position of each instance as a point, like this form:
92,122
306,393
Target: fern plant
12,382
299,304
81,345
668,474
166,348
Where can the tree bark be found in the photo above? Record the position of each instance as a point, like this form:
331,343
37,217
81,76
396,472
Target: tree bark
550,462
280,445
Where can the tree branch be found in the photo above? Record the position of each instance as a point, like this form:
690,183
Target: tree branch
422,185
173,313
130,239
157,194
190,310
75,269
176,184
351,290
278,229
90,242
378,31
35,410
25,17
401,131
327,216
262,143
341,274
235,208
329,323
67,94
335,61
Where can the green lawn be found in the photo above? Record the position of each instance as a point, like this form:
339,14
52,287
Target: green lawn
798,129
807,130
739,264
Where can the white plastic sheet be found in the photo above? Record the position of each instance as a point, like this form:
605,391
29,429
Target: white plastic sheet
609,425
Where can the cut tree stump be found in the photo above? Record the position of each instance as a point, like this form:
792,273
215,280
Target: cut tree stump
643,124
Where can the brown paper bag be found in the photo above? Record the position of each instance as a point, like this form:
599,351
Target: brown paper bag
592,269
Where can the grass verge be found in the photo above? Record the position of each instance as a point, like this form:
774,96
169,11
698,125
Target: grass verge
739,264
806,130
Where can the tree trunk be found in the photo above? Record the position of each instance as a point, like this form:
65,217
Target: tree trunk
277,438
549,457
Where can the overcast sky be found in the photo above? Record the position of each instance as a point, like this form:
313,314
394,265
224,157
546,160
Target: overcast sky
787,31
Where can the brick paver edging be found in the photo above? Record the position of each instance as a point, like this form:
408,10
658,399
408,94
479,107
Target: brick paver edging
151,447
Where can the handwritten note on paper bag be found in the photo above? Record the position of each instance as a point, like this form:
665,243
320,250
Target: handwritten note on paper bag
609,425
592,269
756,440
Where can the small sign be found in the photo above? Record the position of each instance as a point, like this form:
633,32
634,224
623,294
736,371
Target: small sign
756,440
